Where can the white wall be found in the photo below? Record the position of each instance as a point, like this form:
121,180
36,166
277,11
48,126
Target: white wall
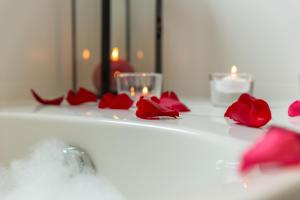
261,37
35,50
200,36
34,47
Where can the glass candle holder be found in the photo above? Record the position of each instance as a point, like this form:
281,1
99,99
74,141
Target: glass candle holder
139,84
225,88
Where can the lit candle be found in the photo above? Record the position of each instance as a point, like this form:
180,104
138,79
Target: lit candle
227,87
139,84
232,83
114,59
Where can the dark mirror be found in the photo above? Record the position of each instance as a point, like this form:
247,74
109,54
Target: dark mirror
134,39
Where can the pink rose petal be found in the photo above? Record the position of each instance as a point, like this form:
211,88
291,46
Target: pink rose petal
280,147
294,109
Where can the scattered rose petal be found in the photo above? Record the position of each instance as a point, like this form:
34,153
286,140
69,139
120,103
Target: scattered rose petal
294,109
280,147
57,101
170,100
106,99
121,101
150,109
249,111
80,97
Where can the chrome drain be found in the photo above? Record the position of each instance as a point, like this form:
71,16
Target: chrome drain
78,159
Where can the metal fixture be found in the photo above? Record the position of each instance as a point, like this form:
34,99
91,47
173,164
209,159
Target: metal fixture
79,159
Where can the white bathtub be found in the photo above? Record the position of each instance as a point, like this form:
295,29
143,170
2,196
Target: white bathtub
195,157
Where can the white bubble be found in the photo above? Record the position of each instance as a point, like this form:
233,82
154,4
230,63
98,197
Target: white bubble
43,175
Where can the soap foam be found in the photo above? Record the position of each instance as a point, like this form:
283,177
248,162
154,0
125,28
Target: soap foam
43,175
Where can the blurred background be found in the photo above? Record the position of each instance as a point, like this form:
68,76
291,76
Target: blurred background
199,37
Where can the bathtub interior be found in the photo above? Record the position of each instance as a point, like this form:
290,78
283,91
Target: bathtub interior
142,162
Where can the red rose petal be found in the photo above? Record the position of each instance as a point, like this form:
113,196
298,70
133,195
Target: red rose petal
106,100
170,99
155,99
57,101
169,94
249,111
149,109
121,101
80,97
280,147
294,109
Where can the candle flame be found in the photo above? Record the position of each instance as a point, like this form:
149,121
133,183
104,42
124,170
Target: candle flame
234,70
145,91
115,54
132,91
86,54
140,55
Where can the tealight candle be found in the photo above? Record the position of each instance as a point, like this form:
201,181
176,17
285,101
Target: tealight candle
139,84
227,87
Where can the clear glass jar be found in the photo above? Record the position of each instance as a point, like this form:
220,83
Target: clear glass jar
225,88
139,84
